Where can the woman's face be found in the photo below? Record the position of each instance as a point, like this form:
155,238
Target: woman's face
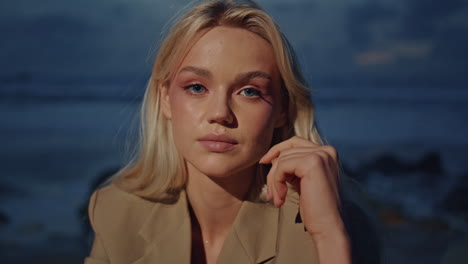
224,102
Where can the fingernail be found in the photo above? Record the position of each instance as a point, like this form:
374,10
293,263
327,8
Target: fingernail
261,160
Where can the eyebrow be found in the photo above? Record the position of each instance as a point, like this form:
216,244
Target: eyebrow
243,77
197,71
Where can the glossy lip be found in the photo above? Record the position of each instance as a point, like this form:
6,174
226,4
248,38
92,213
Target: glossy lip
217,142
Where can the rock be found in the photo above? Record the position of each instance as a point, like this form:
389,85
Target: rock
388,164
456,253
4,219
456,202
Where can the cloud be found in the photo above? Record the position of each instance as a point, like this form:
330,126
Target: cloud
420,19
391,41
415,42
403,50
363,18
375,57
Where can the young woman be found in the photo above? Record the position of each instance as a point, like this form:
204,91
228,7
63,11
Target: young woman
231,168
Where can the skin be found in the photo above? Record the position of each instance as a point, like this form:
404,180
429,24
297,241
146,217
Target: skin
241,100
312,170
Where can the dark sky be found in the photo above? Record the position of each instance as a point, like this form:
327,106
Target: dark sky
342,44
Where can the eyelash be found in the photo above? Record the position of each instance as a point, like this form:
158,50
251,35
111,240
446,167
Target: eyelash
258,93
189,89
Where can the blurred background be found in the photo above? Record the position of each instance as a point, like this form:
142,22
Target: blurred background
391,91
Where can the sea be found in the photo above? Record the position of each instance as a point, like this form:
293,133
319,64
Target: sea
405,148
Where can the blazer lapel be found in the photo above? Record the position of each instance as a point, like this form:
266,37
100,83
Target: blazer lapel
253,236
167,233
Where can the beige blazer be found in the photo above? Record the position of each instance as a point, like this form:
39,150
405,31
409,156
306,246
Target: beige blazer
131,230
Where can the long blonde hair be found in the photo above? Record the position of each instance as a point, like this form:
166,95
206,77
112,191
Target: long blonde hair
158,172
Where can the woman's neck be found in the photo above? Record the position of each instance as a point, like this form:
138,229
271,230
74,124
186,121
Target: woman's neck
215,202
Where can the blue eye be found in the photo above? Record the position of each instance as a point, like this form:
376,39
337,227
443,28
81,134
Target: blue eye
251,92
195,88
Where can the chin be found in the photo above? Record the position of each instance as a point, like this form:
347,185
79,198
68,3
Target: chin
221,167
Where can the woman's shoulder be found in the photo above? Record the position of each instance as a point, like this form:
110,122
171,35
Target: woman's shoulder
117,218
112,192
111,207
112,198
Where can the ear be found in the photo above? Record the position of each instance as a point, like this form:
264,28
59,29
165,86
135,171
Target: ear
165,102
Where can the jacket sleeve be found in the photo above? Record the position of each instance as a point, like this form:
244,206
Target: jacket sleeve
98,253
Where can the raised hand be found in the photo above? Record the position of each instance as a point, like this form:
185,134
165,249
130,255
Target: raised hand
312,170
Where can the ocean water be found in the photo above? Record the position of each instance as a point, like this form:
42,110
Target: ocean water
53,150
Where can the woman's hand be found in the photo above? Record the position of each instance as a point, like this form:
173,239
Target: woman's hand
313,170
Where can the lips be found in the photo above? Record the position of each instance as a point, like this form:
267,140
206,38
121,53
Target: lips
218,143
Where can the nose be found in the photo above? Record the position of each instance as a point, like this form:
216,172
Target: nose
220,111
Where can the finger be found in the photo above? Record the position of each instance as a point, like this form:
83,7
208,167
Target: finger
283,172
280,190
294,167
326,162
300,150
268,181
276,149
291,168
277,187
331,151
290,143
327,153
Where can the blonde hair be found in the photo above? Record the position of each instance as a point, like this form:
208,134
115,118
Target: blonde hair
158,172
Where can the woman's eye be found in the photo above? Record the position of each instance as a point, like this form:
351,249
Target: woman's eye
250,92
195,88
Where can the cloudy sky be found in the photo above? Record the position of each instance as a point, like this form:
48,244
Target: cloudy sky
390,44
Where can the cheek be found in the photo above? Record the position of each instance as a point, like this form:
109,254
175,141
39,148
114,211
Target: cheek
258,132
181,119
259,124
181,109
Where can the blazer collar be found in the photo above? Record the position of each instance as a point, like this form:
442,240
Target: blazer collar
253,236
167,231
